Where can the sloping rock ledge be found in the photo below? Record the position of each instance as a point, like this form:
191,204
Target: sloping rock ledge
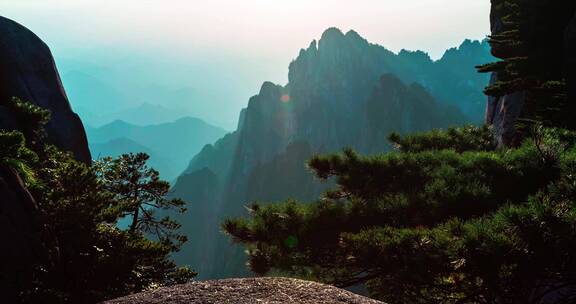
247,291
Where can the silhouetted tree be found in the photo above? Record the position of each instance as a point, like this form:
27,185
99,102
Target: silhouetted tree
139,194
90,258
530,41
431,223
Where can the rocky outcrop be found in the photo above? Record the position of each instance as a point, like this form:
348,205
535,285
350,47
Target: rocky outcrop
335,98
396,107
502,112
24,247
28,71
247,291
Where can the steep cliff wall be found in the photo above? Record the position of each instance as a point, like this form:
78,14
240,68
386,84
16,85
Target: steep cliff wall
502,112
28,71
335,98
538,54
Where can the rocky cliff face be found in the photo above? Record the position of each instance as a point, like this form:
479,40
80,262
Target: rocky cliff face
559,38
28,71
502,112
395,107
335,98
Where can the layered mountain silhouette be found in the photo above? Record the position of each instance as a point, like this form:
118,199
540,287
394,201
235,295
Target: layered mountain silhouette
343,92
118,146
168,144
146,114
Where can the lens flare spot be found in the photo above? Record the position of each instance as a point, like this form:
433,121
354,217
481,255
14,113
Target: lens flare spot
285,98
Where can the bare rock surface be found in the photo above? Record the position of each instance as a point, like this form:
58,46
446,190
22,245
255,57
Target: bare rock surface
247,291
28,71
503,112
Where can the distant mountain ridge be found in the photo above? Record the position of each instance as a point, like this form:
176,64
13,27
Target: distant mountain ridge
118,146
141,115
170,144
342,92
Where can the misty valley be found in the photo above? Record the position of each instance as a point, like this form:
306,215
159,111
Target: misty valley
367,175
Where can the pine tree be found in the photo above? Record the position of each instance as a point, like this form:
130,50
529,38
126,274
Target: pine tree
90,258
430,223
529,40
140,193
448,217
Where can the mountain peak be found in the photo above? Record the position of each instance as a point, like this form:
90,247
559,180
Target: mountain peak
418,56
113,126
334,38
313,45
331,34
268,88
471,48
352,34
190,120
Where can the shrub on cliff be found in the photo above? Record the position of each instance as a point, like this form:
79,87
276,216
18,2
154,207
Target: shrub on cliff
91,259
430,223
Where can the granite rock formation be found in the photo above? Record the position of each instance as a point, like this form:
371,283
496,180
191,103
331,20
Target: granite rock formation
502,112
28,71
343,92
247,291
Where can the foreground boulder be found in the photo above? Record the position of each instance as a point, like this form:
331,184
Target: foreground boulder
28,71
247,291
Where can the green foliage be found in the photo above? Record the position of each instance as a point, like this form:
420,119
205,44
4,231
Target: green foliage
29,119
139,193
468,138
15,154
530,44
447,219
95,259
91,258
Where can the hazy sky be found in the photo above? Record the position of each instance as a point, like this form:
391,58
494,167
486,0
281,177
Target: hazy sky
249,39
